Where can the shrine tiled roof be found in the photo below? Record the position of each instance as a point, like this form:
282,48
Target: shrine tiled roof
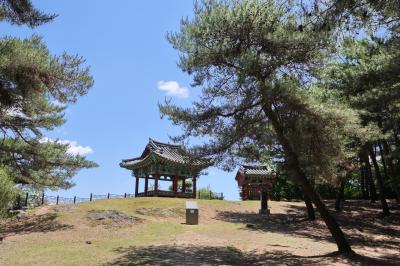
250,174
165,151
259,170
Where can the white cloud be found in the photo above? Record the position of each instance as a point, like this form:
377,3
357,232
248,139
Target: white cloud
172,88
76,149
73,148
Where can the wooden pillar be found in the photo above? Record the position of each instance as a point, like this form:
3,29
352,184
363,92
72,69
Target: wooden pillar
244,196
175,185
137,186
250,188
146,184
184,184
194,187
156,176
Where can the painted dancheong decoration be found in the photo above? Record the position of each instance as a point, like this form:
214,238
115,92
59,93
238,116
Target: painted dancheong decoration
165,162
255,181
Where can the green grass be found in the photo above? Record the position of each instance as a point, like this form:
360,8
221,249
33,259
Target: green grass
52,248
67,246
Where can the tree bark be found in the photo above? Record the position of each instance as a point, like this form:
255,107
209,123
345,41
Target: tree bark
383,160
370,180
396,139
382,194
362,180
340,195
392,171
298,174
310,208
307,201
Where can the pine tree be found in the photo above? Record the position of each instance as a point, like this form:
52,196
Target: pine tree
367,79
253,58
35,88
21,12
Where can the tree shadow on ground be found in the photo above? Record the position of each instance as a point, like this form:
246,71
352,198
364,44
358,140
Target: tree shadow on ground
358,219
209,255
30,224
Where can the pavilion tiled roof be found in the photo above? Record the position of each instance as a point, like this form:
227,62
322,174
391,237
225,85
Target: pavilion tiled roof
165,151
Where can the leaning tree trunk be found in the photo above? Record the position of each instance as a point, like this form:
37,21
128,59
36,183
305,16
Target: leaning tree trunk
340,195
298,174
392,171
370,180
307,201
310,207
382,194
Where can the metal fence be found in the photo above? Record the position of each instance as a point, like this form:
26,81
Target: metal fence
33,200
210,195
29,200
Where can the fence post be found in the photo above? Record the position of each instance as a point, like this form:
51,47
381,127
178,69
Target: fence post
19,202
57,200
74,199
108,195
91,196
26,199
222,196
125,195
43,198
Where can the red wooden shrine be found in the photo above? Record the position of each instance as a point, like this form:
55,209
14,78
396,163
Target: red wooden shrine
252,180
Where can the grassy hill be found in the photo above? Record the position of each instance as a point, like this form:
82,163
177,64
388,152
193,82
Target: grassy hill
151,231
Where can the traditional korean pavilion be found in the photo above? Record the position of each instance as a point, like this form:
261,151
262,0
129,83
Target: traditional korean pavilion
253,180
164,162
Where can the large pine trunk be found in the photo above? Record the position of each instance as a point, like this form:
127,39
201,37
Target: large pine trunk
307,201
382,194
340,195
392,171
310,208
298,174
369,178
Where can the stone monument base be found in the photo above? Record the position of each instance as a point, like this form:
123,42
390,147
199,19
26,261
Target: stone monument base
264,211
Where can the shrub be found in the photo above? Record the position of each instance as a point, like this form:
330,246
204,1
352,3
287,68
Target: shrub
8,192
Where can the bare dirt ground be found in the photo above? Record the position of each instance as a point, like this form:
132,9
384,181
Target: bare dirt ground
286,237
229,233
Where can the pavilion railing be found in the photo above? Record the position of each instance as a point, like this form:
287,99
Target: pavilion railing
166,193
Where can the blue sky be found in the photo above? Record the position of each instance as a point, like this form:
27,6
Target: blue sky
134,68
